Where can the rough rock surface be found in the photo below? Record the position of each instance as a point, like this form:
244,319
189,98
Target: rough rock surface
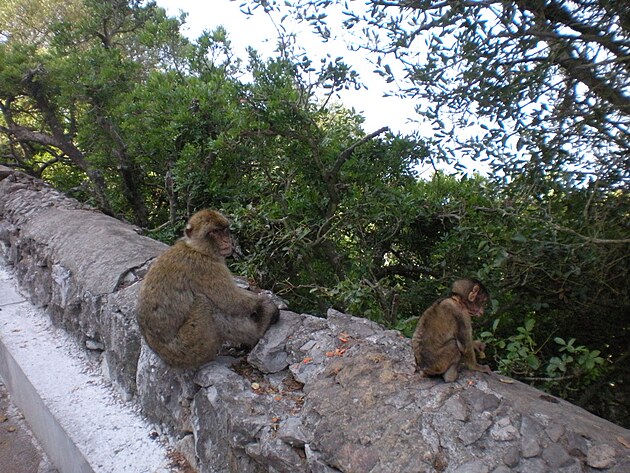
338,394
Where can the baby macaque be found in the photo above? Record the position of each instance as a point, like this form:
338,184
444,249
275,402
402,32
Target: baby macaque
442,341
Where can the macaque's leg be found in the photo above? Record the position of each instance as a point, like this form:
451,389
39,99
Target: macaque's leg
441,361
198,340
451,373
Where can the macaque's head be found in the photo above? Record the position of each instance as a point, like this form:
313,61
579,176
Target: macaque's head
472,294
209,228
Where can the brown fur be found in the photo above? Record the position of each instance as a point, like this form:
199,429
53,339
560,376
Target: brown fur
189,304
442,341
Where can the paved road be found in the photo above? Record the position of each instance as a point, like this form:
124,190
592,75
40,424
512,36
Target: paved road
19,450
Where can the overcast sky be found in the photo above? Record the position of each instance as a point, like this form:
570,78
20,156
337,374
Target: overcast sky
259,31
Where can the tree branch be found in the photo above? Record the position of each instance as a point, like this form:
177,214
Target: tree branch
599,241
345,154
330,178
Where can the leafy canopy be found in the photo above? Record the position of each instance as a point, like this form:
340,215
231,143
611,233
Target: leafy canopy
108,101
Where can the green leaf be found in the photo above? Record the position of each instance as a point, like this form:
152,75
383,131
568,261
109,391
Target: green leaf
533,362
519,238
529,324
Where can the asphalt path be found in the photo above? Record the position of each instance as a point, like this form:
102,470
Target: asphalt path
19,449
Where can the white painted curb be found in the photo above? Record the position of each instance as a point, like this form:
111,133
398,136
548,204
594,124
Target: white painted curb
77,417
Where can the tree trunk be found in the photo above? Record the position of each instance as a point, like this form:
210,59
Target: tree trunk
58,139
129,173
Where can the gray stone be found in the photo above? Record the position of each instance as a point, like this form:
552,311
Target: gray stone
456,408
555,432
186,446
577,445
5,172
270,353
100,273
511,457
475,466
315,462
165,393
556,456
483,402
94,345
503,430
62,287
121,339
210,424
530,427
621,466
292,431
273,452
601,456
533,465
308,370
530,447
353,326
575,466
474,430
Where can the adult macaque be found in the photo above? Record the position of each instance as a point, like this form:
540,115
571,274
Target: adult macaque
189,304
443,339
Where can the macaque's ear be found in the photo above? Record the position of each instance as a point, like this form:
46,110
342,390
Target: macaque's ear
472,295
188,230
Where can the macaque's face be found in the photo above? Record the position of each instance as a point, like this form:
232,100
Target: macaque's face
477,308
223,240
210,226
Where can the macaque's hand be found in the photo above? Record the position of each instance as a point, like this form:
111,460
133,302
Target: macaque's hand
479,346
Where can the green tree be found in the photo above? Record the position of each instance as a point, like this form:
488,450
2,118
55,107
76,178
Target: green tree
539,91
32,21
60,99
113,105
546,79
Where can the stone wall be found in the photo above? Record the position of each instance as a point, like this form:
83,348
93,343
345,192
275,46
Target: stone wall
315,395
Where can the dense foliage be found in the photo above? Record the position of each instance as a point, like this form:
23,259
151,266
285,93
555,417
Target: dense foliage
110,103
